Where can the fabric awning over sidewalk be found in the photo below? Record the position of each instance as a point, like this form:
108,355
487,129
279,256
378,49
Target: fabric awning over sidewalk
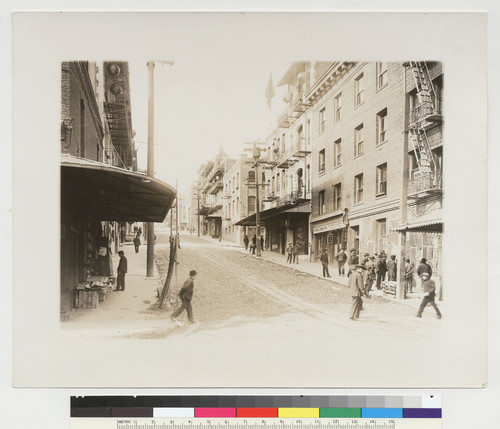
103,192
431,223
266,214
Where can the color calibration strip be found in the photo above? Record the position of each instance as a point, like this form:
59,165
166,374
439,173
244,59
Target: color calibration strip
371,407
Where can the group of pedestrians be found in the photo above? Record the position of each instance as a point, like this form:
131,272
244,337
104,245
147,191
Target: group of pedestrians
253,246
292,254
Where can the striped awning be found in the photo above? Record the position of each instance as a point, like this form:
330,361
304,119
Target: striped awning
416,225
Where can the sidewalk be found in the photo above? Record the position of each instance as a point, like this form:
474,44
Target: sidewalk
122,308
315,269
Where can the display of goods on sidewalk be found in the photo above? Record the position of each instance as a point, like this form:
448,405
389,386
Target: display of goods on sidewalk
102,286
389,287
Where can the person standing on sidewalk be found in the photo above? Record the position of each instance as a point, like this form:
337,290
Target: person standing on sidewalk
392,269
356,287
429,294
381,269
262,242
289,251
186,295
341,258
369,275
254,244
409,267
122,270
295,254
324,262
353,261
137,243
246,241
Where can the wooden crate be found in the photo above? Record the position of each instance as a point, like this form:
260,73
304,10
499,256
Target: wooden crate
86,298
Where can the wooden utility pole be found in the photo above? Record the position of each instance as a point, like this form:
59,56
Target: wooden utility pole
403,209
151,168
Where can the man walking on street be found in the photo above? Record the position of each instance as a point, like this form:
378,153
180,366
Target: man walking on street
186,295
341,258
246,241
392,269
356,288
429,294
324,262
122,270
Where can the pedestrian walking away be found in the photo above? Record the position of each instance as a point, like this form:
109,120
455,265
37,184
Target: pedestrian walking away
246,241
122,270
137,243
341,259
392,269
356,287
324,262
353,261
429,294
186,295
424,267
289,252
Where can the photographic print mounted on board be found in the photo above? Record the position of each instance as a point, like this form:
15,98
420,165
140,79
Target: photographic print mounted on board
281,217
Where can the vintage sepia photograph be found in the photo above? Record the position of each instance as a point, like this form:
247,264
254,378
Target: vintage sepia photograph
253,219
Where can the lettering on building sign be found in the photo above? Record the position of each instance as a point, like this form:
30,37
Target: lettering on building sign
328,227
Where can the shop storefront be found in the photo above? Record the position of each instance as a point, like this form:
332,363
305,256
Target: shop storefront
329,234
96,201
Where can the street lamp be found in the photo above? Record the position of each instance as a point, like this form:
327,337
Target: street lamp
256,148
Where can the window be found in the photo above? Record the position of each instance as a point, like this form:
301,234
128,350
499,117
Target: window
338,107
337,196
278,183
337,152
321,202
308,172
382,126
263,177
251,176
283,143
381,75
358,140
359,88
381,180
322,120
321,161
308,131
358,189
381,233
237,212
237,180
251,205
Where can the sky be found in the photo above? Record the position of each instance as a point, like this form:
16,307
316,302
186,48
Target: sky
204,101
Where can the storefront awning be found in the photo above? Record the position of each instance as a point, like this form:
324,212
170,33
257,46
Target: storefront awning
421,225
103,192
269,213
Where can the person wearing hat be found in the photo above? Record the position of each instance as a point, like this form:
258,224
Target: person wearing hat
408,276
186,295
392,269
122,270
352,261
341,258
381,269
356,286
324,262
424,267
369,275
429,288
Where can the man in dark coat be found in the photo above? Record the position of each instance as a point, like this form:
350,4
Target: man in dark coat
324,262
122,270
381,269
186,295
352,261
341,258
289,251
246,241
392,269
262,242
137,243
424,267
409,276
356,287
254,244
429,294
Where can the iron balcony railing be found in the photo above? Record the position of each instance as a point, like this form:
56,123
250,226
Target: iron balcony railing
291,198
430,109
425,182
113,158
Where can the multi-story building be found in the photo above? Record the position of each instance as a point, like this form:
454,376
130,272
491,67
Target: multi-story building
286,167
239,199
423,225
357,114
211,189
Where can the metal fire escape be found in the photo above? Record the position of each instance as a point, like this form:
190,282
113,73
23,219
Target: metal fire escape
424,115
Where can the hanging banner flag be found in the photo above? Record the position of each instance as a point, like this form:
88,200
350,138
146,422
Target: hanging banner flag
270,93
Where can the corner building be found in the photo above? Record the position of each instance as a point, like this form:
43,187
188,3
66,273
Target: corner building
357,132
